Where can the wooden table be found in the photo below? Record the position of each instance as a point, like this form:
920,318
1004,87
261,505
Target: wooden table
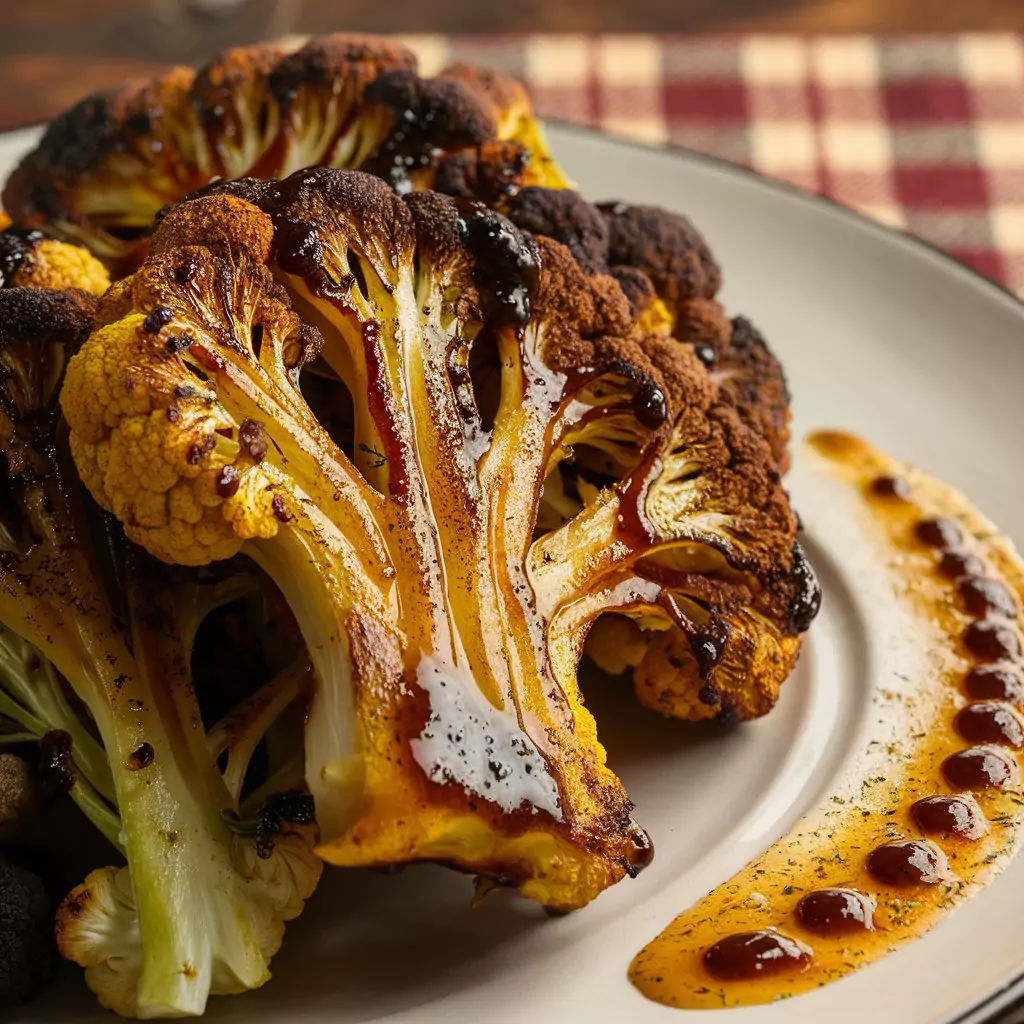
53,51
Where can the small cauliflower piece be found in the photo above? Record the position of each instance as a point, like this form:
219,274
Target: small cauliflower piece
99,928
439,729
106,167
29,259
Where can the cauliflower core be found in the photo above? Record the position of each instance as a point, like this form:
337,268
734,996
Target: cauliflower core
485,374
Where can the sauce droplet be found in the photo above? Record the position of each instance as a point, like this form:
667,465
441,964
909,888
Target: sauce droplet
960,563
142,757
228,482
642,853
957,815
757,954
908,862
938,533
705,353
650,406
991,721
890,487
982,595
836,911
157,319
992,640
982,768
994,682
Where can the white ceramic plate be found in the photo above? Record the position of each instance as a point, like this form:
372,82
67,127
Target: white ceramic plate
879,335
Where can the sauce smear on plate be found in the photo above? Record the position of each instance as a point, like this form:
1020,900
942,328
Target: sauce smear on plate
937,805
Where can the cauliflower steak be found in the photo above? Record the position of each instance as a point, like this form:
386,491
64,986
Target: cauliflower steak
471,361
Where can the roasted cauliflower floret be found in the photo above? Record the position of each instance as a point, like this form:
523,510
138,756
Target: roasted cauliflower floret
105,167
723,653
28,259
671,279
440,728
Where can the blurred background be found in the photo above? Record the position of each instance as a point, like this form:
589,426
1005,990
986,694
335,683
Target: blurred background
51,51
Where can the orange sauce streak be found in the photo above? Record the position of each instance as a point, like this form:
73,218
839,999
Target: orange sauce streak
831,845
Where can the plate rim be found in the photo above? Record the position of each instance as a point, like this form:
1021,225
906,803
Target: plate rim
1009,996
811,196
743,171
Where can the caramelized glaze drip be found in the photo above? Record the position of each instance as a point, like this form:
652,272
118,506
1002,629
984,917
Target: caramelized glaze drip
507,262
937,809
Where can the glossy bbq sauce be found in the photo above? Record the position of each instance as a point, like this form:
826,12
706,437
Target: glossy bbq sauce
936,807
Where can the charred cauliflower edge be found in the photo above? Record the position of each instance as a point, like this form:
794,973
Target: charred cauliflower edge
106,166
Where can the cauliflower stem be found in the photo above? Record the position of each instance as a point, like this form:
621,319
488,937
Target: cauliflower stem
193,913
32,694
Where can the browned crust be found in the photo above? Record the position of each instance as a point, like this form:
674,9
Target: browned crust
225,223
502,94
490,171
668,251
84,137
16,248
756,383
666,247
577,307
234,71
636,286
426,114
323,60
172,130
565,216
40,315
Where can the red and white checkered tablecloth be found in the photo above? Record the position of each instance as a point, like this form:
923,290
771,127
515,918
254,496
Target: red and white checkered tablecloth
925,133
